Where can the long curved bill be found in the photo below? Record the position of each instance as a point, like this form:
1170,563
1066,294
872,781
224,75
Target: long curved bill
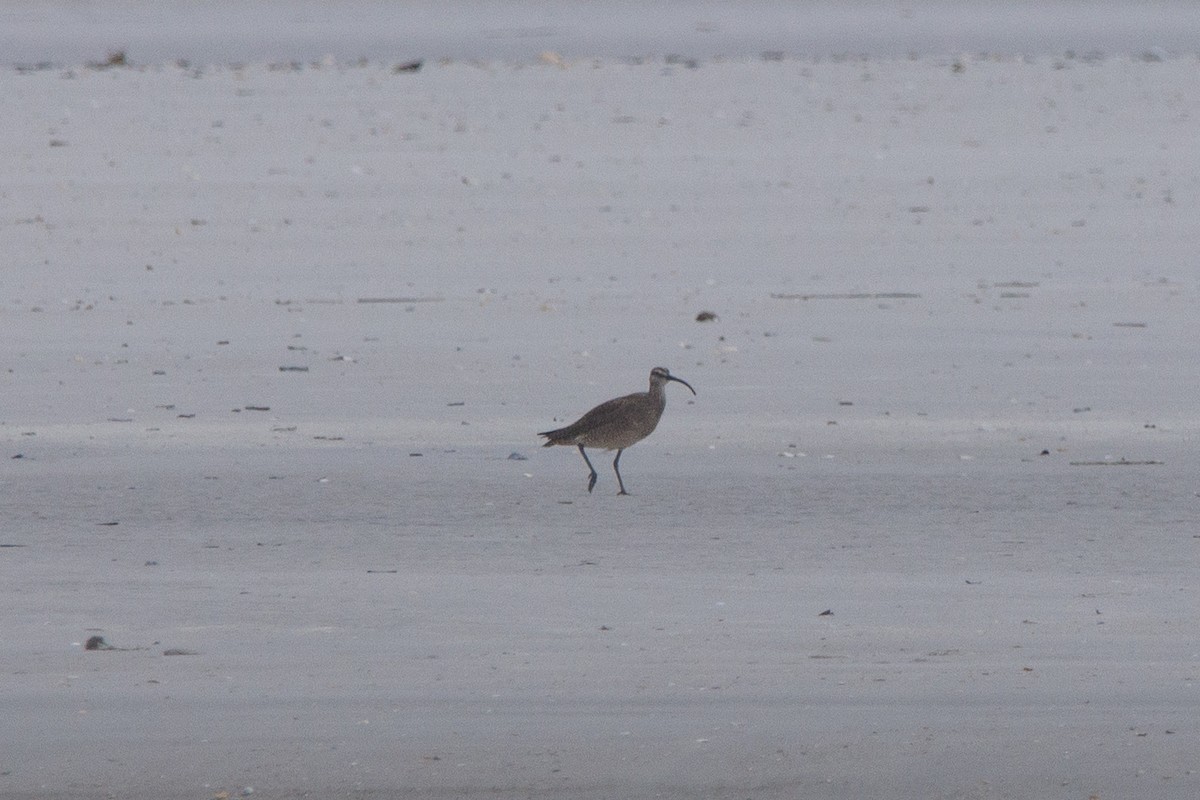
681,380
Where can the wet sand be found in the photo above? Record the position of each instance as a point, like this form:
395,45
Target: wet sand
278,338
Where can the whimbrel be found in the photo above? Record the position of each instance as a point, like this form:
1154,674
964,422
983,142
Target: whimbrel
617,423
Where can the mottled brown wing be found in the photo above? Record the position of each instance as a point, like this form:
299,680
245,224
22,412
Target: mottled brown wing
596,426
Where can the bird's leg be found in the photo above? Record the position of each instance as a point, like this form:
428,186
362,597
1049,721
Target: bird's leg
617,470
592,477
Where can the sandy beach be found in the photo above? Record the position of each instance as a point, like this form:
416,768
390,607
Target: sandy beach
280,330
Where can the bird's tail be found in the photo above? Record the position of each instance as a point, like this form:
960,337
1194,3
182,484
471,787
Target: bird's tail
553,437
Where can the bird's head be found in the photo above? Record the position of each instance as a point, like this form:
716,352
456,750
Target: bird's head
660,375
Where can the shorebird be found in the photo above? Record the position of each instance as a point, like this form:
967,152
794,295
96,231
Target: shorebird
618,423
